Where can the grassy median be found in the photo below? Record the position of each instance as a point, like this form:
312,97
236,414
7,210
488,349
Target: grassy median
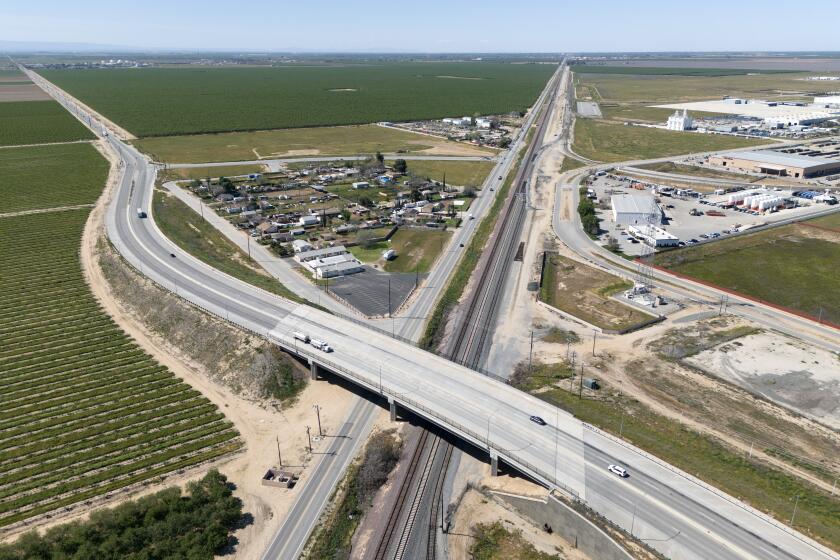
186,229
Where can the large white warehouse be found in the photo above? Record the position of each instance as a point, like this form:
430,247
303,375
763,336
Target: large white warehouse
832,100
635,209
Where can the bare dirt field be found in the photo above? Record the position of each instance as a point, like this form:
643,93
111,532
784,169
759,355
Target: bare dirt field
22,92
478,508
781,369
702,402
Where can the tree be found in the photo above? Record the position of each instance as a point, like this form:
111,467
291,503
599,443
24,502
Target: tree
366,202
415,195
380,158
504,142
168,524
400,166
365,238
469,192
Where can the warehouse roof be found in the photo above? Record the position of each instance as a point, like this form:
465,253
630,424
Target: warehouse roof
634,203
652,232
778,158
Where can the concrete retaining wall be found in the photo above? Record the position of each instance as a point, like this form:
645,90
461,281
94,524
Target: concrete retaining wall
569,524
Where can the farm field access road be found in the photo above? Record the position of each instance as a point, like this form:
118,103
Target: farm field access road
673,511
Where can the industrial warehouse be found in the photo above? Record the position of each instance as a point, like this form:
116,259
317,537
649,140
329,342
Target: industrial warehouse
775,163
636,209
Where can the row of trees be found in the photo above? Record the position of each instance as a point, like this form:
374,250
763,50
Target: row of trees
586,210
168,524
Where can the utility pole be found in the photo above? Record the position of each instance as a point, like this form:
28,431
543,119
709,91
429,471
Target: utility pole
389,296
310,439
531,352
594,338
249,245
279,457
318,413
796,503
633,523
580,390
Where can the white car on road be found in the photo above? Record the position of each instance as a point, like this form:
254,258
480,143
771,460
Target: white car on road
620,471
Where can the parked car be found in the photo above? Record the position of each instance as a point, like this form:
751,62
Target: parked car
537,420
619,471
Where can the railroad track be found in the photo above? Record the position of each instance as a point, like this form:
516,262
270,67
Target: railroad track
473,330
470,338
399,505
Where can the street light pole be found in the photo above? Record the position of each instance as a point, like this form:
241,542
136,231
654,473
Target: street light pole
310,439
796,503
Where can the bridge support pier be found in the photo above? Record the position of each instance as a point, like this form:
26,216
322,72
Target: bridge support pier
494,463
313,371
392,407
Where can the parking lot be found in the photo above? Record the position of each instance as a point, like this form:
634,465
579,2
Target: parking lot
368,291
692,219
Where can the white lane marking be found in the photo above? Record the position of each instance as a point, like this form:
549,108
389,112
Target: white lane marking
691,523
178,272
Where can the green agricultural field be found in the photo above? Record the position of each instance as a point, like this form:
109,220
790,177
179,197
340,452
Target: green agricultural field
50,176
214,171
795,266
632,112
459,173
698,171
38,122
620,88
608,141
85,411
170,101
666,71
300,142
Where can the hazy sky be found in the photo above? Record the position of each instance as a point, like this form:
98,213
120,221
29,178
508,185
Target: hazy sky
428,26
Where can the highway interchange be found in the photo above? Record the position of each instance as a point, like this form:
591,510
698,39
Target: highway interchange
668,509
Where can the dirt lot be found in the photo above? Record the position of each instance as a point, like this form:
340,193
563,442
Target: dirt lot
584,292
476,508
781,369
21,92
703,402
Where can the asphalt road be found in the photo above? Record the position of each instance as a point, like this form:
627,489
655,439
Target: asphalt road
485,412
572,235
320,483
